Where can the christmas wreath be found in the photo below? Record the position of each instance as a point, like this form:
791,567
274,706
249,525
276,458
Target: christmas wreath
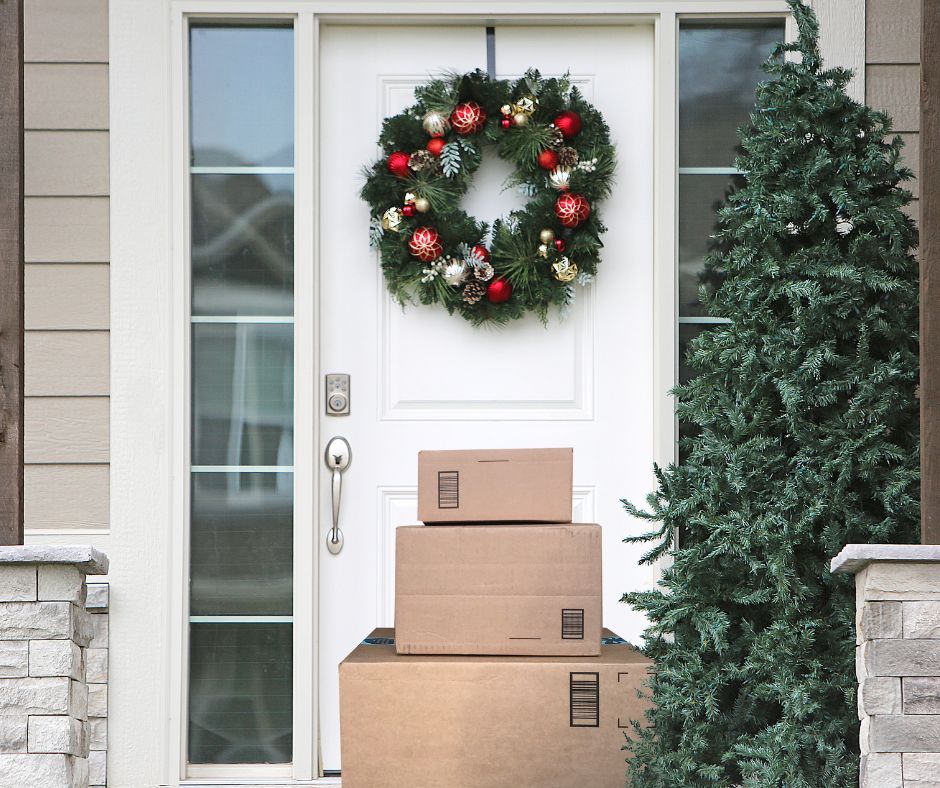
432,250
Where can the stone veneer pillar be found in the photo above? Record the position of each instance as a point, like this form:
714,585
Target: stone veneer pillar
44,633
897,591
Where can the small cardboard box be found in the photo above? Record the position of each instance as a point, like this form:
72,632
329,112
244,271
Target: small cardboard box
487,722
496,485
498,589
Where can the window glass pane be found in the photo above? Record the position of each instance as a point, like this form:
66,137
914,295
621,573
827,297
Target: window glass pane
242,400
700,197
243,394
240,693
241,549
242,95
243,244
719,67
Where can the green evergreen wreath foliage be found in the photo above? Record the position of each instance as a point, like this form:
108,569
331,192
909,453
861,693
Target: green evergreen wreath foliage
514,245
805,438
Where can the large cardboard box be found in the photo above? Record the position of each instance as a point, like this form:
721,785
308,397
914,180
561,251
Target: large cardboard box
487,722
495,485
498,589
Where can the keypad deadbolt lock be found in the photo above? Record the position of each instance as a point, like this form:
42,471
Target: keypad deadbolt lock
337,394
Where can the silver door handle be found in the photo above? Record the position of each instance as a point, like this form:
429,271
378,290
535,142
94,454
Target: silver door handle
337,456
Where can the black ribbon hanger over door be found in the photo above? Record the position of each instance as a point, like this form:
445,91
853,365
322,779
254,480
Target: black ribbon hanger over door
491,52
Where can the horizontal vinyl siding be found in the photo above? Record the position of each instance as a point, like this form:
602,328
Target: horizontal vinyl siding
892,73
66,497
67,272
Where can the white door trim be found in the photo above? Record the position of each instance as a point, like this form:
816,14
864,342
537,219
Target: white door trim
149,331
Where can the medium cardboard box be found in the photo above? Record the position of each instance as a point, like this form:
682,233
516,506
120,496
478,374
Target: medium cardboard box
498,589
495,485
487,722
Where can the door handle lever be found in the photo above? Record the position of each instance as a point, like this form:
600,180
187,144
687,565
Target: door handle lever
338,456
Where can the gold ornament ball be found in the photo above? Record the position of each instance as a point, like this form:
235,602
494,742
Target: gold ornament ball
520,119
422,205
547,236
564,270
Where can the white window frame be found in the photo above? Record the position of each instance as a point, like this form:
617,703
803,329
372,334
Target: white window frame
148,542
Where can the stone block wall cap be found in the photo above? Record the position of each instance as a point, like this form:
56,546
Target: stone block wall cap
855,557
85,558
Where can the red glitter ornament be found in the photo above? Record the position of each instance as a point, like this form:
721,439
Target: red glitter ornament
425,244
468,118
572,209
548,159
498,291
482,252
408,209
398,164
505,123
560,244
436,145
568,123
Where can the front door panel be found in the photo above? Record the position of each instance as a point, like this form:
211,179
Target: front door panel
423,379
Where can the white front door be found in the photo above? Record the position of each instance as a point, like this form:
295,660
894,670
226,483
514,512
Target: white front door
424,379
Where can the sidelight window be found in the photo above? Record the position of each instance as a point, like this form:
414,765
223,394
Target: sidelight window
242,381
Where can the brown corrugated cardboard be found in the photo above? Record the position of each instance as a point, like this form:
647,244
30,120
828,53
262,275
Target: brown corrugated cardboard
498,589
495,485
487,722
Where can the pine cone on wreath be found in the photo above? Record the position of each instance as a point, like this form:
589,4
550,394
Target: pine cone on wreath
556,139
567,156
422,160
483,272
473,291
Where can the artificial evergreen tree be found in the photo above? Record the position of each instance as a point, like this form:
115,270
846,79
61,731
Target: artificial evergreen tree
804,425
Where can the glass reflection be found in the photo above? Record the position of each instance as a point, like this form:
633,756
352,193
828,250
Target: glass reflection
700,199
243,398
240,693
242,95
241,544
242,244
719,68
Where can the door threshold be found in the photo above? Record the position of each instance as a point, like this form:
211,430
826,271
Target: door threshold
320,782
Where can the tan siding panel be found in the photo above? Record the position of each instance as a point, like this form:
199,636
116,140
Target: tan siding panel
66,163
910,155
66,496
57,31
66,429
67,230
895,89
66,363
67,296
66,96
892,31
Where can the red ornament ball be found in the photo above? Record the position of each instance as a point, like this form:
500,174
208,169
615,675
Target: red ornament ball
408,209
436,145
560,244
468,118
425,244
568,123
482,252
548,159
498,290
398,164
505,123
572,209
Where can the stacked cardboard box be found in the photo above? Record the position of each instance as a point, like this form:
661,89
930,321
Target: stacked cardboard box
497,673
